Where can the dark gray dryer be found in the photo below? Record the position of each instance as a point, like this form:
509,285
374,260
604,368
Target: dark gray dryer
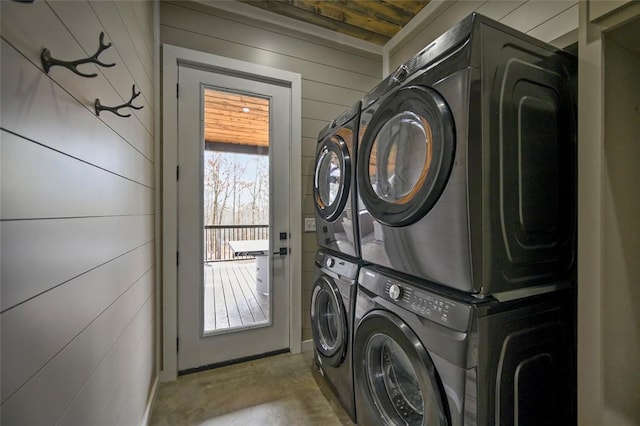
467,162
334,184
423,357
332,304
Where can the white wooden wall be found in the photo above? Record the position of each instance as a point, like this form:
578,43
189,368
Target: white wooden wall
333,78
621,230
546,20
76,216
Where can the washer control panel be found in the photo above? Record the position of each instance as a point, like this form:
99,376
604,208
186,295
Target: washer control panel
436,308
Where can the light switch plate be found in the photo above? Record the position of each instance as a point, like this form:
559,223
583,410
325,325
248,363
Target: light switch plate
309,224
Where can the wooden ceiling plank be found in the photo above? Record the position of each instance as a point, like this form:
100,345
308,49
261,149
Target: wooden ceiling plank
230,133
379,10
223,130
410,6
255,124
337,11
239,141
236,106
286,9
248,116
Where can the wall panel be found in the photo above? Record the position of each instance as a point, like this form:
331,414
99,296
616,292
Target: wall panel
37,108
324,92
58,249
77,214
41,28
107,380
57,384
39,190
309,70
108,15
83,23
34,332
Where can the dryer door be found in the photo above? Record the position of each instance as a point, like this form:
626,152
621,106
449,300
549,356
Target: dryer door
406,156
396,382
329,321
332,177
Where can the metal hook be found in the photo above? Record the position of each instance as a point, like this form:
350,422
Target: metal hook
48,61
99,107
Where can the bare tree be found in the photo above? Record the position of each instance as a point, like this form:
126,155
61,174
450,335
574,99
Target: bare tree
217,190
258,191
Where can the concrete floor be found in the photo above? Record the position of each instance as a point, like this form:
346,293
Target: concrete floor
279,390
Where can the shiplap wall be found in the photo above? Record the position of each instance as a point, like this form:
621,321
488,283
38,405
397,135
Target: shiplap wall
621,230
544,20
333,78
76,216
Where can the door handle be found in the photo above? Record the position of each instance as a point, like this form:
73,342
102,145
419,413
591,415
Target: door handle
283,251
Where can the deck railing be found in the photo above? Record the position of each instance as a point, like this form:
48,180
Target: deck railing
217,237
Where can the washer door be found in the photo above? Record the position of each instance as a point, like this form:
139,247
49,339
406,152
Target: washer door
329,321
406,156
332,177
395,375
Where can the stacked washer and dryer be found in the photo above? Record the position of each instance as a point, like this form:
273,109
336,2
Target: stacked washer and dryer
337,263
445,289
466,175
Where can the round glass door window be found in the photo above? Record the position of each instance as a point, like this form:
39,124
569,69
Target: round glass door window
395,385
328,177
332,178
400,157
328,320
406,156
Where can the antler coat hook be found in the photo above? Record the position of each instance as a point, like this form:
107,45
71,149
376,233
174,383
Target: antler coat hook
99,107
48,61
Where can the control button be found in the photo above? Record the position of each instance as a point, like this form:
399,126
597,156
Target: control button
330,262
395,291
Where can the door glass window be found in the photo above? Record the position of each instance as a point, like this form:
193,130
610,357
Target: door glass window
395,385
328,322
400,157
235,198
328,177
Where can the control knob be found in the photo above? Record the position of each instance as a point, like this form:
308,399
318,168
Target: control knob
395,291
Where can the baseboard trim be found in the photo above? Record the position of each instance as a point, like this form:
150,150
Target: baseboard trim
150,402
307,345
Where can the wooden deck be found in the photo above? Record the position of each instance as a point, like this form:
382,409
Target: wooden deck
230,296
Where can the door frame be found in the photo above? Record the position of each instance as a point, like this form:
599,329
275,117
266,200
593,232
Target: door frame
172,57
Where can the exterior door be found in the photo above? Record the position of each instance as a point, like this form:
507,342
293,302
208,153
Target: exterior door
233,283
